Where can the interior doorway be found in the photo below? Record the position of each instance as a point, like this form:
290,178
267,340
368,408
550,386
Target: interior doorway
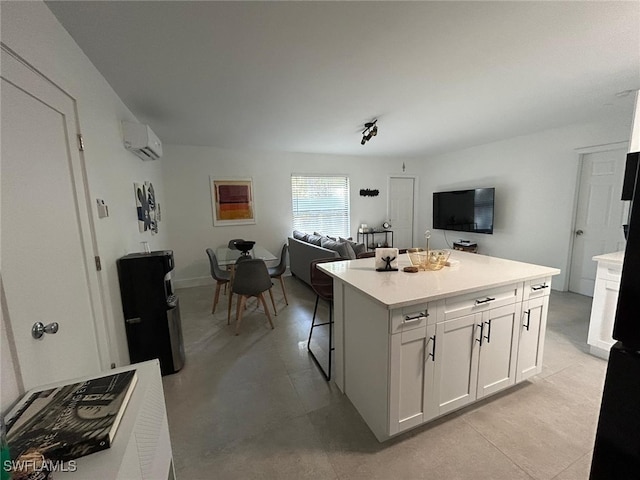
600,213
48,270
401,210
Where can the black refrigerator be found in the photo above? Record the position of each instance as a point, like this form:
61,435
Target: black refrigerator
151,309
616,453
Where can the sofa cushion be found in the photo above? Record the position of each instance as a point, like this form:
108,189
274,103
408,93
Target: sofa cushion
325,236
298,235
343,248
314,240
358,248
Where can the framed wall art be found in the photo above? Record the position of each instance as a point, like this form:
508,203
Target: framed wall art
232,201
146,207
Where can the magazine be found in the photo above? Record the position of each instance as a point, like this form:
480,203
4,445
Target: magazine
71,421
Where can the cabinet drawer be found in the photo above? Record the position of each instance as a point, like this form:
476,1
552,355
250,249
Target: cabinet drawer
480,301
609,272
539,287
409,318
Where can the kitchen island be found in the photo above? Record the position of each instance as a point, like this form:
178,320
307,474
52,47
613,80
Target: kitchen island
410,347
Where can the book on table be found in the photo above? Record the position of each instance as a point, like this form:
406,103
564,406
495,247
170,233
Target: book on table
70,421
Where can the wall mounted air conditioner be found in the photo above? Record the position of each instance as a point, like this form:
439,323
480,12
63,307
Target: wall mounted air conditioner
141,140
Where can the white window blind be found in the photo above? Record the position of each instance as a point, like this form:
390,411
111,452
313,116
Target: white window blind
321,204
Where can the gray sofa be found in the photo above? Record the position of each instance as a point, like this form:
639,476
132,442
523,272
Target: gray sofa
302,253
306,247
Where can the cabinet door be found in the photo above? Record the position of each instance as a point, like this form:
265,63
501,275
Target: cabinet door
498,350
531,343
411,378
456,365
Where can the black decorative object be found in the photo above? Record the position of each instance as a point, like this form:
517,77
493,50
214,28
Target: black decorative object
387,264
367,192
370,130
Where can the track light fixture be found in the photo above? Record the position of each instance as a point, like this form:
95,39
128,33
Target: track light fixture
370,130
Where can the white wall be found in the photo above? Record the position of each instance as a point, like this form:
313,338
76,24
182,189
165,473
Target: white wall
188,209
31,30
535,177
635,135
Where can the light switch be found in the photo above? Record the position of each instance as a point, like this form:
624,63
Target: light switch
103,209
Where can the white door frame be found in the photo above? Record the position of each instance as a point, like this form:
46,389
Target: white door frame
415,199
581,152
87,235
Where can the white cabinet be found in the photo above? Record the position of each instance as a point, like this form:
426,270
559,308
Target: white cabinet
532,330
456,375
412,347
141,448
605,302
411,378
498,349
476,356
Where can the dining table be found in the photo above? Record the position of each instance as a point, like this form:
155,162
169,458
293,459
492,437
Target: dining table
227,256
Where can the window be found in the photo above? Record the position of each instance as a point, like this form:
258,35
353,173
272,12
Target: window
321,204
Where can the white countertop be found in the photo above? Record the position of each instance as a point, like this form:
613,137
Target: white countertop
615,258
398,289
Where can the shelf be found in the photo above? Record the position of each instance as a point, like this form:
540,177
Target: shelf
371,242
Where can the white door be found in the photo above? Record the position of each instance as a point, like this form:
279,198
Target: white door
400,210
599,217
45,226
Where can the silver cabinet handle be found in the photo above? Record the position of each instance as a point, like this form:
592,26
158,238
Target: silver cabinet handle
526,325
539,287
39,329
488,335
479,340
417,316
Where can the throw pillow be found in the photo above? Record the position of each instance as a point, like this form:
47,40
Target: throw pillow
315,240
358,248
325,236
298,235
343,248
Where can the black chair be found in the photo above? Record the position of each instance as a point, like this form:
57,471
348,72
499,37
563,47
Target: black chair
220,276
322,284
232,243
278,271
251,279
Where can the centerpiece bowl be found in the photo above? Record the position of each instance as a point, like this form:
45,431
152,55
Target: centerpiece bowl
244,246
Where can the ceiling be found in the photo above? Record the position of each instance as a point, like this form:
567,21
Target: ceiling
305,76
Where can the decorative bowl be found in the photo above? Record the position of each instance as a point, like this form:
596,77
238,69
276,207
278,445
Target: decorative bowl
244,246
437,259
428,260
418,257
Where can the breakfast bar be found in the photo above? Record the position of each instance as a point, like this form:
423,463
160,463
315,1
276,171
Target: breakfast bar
411,347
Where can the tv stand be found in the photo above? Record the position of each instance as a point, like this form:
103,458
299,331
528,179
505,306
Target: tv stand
465,246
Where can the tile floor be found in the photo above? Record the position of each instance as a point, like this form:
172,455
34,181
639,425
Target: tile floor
256,406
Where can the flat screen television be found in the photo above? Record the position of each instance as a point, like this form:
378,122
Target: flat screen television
464,210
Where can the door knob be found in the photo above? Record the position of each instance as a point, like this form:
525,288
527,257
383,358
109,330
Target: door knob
579,232
39,329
